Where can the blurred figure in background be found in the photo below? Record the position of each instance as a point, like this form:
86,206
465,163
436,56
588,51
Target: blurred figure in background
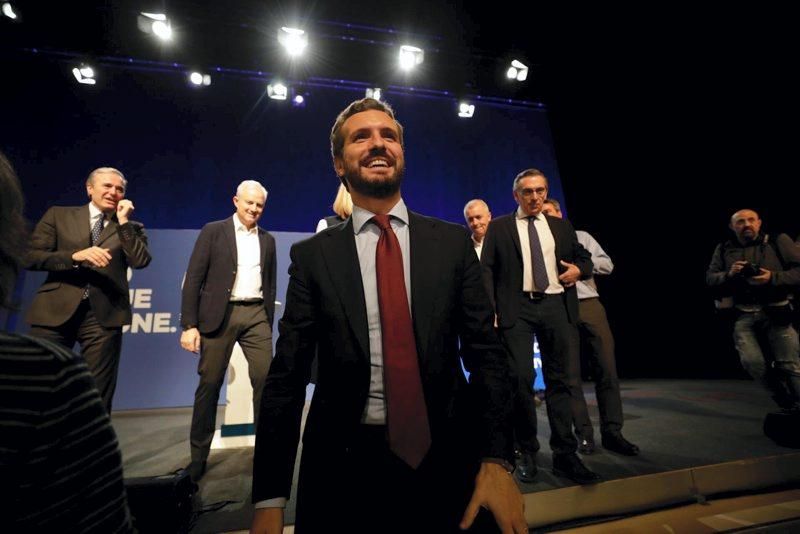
60,465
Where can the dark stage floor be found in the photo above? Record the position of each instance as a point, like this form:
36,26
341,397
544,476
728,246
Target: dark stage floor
678,424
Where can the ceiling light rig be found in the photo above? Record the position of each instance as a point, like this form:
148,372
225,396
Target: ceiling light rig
156,24
517,71
373,92
466,110
8,11
277,91
294,40
199,79
410,57
84,74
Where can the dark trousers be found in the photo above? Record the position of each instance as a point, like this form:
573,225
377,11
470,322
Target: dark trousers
246,323
365,488
594,331
100,346
559,346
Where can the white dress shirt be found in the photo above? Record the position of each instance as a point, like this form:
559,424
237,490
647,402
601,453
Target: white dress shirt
247,283
478,246
94,214
548,251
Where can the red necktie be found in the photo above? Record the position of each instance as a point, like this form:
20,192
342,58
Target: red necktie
407,419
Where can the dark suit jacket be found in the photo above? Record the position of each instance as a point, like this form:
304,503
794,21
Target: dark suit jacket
65,230
325,308
501,259
212,271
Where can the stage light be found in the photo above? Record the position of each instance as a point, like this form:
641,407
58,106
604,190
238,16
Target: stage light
518,71
293,40
466,110
198,78
8,11
299,101
156,23
84,74
410,56
277,91
374,92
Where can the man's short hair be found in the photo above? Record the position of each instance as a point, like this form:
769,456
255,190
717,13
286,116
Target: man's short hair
13,230
90,179
473,202
555,203
525,174
251,184
365,104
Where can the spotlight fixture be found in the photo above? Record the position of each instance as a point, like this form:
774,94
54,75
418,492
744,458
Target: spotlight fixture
517,71
277,91
466,110
293,40
299,101
410,56
8,11
84,74
198,78
155,23
374,92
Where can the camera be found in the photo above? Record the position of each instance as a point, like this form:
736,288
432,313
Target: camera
750,269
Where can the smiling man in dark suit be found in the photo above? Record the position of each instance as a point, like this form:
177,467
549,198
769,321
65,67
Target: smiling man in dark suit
394,431
228,297
531,263
87,251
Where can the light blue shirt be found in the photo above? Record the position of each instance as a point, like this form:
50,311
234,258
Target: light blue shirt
367,234
602,265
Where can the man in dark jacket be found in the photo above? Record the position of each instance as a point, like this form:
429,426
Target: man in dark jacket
759,273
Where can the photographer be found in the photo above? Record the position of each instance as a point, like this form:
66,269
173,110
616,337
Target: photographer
758,273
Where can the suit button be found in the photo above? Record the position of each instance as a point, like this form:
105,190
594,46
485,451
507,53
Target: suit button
228,290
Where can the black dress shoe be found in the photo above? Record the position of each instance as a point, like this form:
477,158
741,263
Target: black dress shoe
196,469
615,442
526,466
571,467
586,446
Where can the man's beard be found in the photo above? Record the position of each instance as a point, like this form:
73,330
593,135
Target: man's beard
384,188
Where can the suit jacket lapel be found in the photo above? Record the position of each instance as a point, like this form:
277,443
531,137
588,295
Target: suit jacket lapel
79,225
512,229
424,278
230,237
558,235
341,259
108,230
262,241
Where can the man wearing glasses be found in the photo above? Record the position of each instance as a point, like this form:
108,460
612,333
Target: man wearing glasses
531,263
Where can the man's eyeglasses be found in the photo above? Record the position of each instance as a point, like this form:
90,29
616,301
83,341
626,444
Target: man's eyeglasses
528,192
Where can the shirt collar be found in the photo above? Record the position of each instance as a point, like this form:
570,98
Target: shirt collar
361,216
240,227
94,211
522,215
